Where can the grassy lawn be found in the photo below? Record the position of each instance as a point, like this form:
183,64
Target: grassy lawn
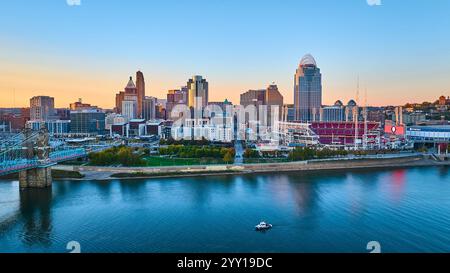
154,161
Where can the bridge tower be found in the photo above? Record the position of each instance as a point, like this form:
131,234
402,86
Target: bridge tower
36,147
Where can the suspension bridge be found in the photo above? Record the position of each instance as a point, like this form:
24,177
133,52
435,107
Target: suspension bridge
32,153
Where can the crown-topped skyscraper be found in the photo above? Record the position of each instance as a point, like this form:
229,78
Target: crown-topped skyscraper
307,90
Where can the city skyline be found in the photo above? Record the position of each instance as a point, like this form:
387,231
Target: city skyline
82,59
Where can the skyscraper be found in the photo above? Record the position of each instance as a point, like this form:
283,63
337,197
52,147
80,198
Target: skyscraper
198,91
129,106
274,101
129,93
131,87
42,108
270,97
253,97
176,97
307,90
140,87
149,108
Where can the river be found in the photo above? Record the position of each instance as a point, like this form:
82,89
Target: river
405,210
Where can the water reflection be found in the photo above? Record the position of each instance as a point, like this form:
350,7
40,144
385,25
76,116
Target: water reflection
444,172
398,181
35,209
305,197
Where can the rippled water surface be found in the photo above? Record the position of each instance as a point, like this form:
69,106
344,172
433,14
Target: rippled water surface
406,210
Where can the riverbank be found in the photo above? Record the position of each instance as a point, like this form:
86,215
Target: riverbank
108,173
56,174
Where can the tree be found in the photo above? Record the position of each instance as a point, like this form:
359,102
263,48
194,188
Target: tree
250,153
229,157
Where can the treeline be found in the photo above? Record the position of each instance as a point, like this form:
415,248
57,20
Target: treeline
122,155
305,153
189,151
251,153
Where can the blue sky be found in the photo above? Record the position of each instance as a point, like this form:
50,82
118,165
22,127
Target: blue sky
400,50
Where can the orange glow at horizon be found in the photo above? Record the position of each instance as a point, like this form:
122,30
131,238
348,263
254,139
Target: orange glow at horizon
19,82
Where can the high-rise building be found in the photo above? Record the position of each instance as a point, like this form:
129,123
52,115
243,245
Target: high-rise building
130,91
307,90
149,108
161,112
176,97
87,122
79,105
288,114
274,102
119,99
198,92
14,122
42,108
253,97
62,113
269,97
129,106
131,87
140,90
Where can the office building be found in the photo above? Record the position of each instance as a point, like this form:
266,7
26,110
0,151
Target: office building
56,128
274,102
198,92
42,108
79,105
176,97
87,122
149,108
129,107
140,92
307,90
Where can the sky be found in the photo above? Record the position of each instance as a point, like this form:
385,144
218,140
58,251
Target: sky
399,49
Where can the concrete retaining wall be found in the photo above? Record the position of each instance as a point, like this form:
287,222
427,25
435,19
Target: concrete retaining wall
272,167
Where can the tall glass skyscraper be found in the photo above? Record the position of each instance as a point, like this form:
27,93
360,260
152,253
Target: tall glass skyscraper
307,90
198,92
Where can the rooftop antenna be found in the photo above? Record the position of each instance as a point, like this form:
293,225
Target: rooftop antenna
355,115
365,118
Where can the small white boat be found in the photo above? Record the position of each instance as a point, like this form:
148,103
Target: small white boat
263,226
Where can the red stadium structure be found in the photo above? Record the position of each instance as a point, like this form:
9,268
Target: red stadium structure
343,133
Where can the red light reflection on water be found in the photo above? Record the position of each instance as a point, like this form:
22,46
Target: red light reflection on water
398,181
